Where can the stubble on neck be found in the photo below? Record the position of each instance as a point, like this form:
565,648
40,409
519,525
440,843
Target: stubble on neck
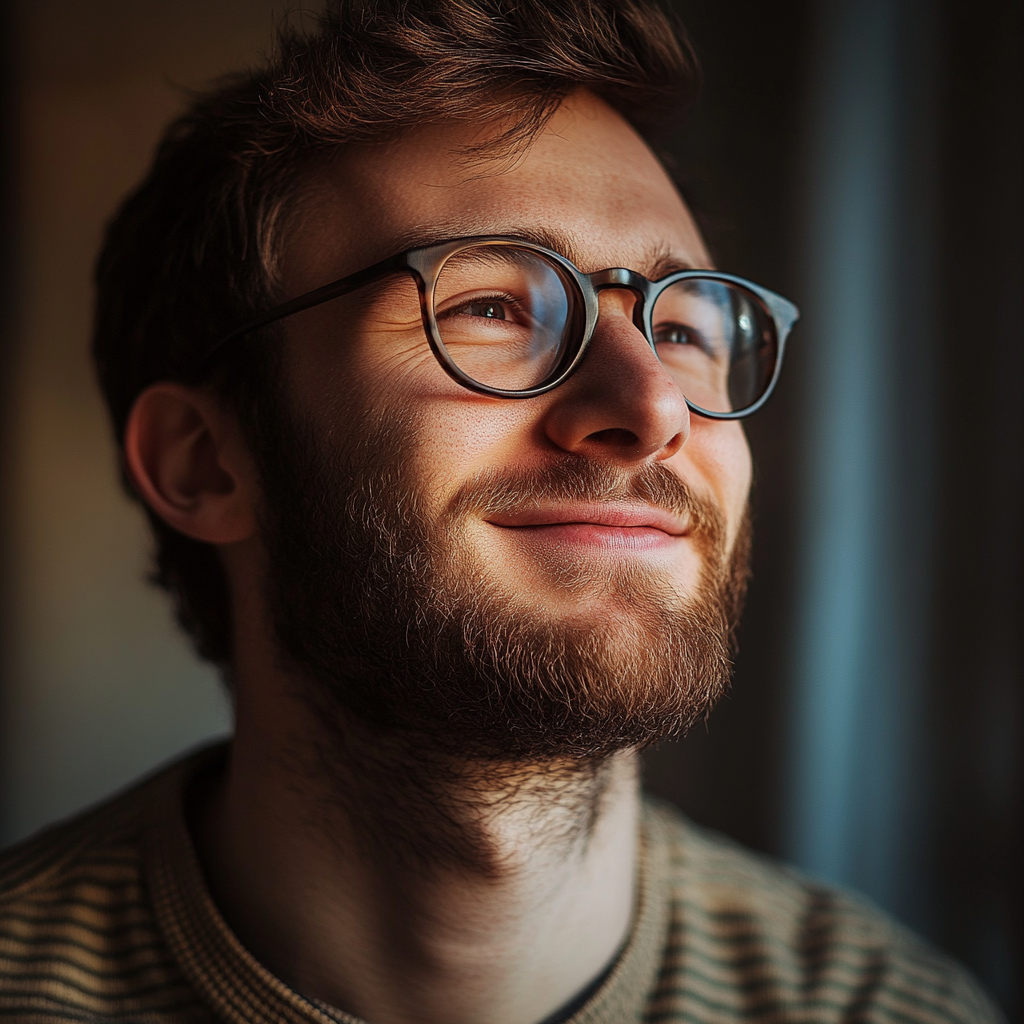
409,802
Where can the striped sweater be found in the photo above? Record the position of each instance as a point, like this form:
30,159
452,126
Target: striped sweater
107,918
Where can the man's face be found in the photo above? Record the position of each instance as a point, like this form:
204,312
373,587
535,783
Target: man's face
593,524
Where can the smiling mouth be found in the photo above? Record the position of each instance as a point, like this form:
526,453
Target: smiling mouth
622,524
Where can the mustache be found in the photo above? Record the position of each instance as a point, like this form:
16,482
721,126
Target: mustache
500,492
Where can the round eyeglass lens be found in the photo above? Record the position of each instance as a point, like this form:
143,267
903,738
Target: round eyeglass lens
718,340
506,315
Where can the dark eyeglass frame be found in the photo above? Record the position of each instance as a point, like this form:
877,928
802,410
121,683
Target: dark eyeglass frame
425,264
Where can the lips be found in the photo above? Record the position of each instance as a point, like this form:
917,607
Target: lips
611,516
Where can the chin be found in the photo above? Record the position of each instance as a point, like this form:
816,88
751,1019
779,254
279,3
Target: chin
590,593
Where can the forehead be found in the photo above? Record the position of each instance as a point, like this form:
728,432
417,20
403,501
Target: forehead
588,179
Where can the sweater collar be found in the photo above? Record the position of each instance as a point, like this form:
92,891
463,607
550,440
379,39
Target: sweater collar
241,990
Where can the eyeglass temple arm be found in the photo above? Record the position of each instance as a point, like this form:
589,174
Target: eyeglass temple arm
334,290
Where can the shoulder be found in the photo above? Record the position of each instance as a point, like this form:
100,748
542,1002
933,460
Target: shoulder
754,939
78,937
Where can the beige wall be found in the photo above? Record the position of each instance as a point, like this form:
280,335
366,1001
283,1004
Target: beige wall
99,686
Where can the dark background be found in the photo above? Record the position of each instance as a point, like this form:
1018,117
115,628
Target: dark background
863,158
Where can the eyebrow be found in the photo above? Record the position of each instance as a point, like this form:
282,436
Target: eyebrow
662,263
547,238
657,262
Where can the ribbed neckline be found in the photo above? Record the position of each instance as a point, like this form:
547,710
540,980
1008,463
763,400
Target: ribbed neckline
240,989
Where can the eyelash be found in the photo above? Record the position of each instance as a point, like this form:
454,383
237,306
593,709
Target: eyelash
508,301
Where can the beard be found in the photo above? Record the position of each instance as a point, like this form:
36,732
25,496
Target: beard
395,621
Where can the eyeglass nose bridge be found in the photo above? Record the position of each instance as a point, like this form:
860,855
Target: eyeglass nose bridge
620,277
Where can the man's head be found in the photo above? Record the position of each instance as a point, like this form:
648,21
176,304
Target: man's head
521,577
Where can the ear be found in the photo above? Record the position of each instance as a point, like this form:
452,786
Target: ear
188,461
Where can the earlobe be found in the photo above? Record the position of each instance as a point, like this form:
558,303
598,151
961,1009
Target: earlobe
186,459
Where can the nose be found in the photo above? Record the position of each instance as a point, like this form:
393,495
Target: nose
620,404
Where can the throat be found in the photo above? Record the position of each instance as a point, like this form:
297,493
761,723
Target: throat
413,804
398,884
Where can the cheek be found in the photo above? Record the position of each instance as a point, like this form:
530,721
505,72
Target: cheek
453,433
717,454
462,435
450,433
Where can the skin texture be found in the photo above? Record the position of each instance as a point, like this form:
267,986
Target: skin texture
369,933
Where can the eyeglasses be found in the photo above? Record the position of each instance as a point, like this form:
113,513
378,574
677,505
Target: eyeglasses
512,319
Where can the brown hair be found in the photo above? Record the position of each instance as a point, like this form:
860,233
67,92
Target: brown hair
191,253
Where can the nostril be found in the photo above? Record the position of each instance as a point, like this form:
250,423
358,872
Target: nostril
616,437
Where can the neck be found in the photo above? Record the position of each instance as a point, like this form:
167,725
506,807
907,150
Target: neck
384,878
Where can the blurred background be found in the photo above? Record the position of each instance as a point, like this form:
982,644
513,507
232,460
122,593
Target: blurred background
864,157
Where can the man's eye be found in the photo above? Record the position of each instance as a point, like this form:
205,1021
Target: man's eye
676,334
487,310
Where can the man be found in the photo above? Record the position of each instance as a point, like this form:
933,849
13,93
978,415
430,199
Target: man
418,366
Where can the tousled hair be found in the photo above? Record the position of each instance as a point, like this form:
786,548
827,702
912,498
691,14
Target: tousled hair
192,253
